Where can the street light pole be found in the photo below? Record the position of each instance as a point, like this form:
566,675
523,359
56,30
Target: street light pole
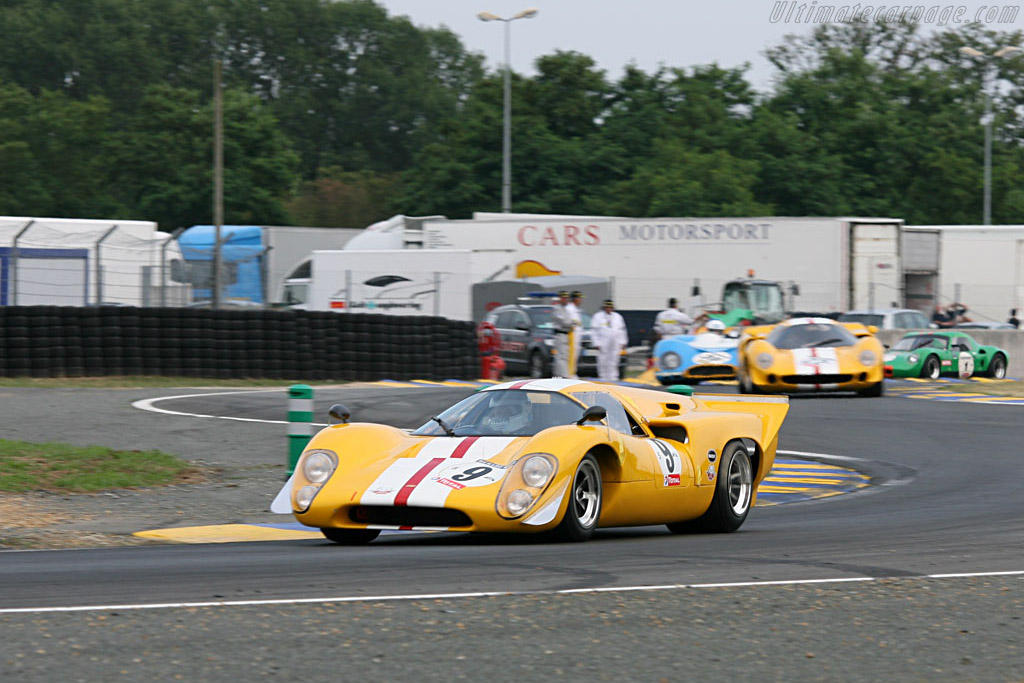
1002,53
506,136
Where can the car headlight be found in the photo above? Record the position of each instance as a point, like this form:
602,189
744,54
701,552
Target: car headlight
867,357
519,501
524,484
913,358
317,466
314,468
549,342
537,471
764,360
305,495
670,360
889,357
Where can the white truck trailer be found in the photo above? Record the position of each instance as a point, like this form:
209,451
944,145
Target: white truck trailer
838,263
397,282
981,266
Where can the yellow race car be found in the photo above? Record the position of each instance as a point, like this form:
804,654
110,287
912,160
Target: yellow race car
811,354
548,455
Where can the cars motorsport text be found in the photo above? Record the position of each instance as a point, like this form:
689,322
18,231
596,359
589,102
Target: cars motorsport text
557,455
952,352
810,354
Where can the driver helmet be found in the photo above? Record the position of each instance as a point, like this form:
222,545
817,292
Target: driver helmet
508,417
716,326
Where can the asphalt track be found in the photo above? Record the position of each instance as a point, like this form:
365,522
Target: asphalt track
917,577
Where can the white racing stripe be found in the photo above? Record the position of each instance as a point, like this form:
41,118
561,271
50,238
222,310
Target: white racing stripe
814,361
487,594
418,481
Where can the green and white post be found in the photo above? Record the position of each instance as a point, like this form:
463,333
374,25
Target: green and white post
300,422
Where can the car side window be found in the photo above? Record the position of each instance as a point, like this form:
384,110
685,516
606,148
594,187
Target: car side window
919,321
963,341
520,320
618,418
504,320
902,321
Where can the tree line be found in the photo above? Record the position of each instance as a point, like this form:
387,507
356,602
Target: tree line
338,114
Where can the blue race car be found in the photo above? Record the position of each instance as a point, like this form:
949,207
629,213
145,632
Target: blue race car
690,358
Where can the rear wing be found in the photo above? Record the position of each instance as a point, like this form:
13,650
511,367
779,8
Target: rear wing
755,332
860,329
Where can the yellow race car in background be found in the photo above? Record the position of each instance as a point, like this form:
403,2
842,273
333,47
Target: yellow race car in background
811,354
557,455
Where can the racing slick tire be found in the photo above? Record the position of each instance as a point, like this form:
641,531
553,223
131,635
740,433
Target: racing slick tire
537,367
350,536
584,508
931,368
997,367
734,492
873,390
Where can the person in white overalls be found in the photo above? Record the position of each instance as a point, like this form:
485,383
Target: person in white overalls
610,337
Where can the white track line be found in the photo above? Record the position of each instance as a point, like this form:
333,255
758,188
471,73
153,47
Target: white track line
491,594
149,404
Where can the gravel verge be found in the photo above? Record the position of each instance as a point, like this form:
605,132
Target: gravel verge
242,464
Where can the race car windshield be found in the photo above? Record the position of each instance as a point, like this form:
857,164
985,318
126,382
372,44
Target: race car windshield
919,341
810,335
505,412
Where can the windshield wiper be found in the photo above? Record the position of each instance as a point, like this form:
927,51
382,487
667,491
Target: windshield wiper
447,430
823,342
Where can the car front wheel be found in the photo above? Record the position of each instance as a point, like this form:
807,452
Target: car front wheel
931,368
350,536
536,365
584,508
997,368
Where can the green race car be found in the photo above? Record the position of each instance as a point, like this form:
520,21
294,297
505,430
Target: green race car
933,354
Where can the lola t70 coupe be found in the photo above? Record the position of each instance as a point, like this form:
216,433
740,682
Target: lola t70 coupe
551,455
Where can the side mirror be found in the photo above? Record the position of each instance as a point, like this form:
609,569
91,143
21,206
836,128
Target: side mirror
339,412
593,414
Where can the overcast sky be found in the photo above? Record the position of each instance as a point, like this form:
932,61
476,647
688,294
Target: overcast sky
650,33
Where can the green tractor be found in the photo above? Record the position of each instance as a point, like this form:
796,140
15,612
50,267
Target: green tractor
750,301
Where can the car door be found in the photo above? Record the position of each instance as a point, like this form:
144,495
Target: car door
648,465
513,339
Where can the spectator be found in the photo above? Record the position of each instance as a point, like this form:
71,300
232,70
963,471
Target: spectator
576,335
563,325
672,321
940,318
1013,318
610,337
957,314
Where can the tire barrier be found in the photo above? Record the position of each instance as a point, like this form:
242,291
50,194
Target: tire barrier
69,341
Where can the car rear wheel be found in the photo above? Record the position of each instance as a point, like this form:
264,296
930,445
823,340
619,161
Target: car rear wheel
584,508
537,366
734,492
350,536
997,368
931,368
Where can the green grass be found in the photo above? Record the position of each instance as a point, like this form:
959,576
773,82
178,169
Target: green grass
64,468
